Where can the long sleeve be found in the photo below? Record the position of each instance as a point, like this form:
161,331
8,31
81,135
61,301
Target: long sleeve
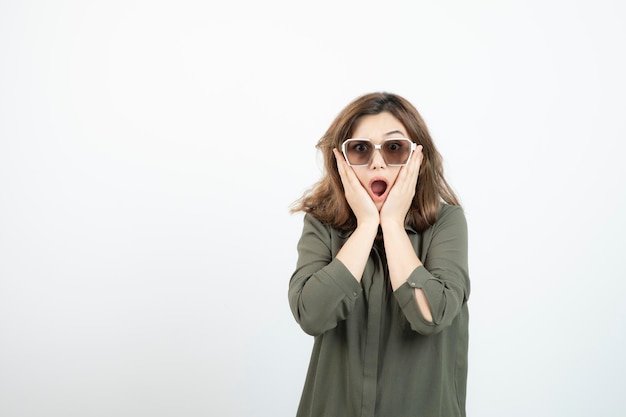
374,355
322,291
444,276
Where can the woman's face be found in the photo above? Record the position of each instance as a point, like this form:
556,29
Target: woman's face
377,177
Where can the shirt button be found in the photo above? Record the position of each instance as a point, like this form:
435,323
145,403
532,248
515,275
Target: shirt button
354,293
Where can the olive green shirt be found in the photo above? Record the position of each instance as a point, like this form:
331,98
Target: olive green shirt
374,354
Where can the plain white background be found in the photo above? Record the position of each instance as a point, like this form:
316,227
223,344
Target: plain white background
149,152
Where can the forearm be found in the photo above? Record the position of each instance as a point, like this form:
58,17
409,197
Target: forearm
402,261
355,252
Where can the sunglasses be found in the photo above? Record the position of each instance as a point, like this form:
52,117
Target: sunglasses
395,151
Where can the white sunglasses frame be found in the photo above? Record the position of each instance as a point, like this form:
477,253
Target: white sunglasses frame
379,148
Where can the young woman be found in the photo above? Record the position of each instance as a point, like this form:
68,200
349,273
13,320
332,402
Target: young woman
382,280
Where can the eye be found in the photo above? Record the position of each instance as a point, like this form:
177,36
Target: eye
360,147
395,146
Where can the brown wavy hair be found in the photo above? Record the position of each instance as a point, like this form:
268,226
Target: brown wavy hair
326,200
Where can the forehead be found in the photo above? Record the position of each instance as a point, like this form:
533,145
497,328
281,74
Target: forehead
378,126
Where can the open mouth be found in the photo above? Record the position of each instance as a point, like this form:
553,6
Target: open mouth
378,187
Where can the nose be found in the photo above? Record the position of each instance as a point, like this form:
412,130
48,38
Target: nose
378,161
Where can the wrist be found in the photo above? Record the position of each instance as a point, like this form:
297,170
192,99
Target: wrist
392,221
391,225
370,225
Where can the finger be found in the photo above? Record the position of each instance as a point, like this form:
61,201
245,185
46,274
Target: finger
407,178
420,154
415,163
345,171
416,158
410,170
341,165
338,155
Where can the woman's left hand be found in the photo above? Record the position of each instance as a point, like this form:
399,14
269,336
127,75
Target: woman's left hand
401,195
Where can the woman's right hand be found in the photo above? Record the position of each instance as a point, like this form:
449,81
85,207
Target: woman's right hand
359,200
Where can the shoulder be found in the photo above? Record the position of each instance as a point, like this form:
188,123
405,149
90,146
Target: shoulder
450,217
448,210
322,230
310,220
315,225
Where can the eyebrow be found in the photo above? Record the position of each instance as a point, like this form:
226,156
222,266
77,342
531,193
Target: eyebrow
394,132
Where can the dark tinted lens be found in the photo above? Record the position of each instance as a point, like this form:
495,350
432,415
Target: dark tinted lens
358,152
396,151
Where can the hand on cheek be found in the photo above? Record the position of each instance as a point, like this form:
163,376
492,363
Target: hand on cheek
359,200
403,190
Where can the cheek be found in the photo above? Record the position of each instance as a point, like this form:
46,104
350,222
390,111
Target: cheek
361,174
394,175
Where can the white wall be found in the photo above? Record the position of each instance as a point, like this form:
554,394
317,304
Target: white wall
149,151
